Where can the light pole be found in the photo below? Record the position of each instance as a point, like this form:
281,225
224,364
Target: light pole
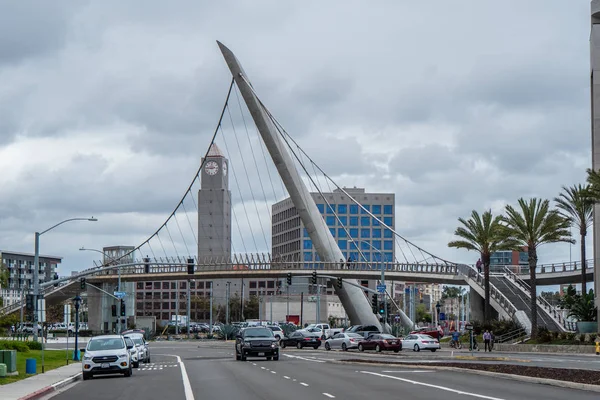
227,303
36,276
119,324
77,300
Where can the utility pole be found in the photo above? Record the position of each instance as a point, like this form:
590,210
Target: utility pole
177,307
211,312
301,309
318,316
188,308
227,303
242,303
271,307
287,315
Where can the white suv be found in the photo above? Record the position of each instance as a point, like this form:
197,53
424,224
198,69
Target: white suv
107,354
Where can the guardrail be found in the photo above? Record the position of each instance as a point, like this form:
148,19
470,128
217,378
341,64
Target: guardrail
470,272
545,268
553,312
511,336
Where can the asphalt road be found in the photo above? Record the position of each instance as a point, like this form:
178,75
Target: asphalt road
212,372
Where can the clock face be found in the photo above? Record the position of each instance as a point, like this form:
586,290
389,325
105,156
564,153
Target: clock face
211,168
224,168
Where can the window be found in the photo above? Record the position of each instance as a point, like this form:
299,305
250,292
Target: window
342,233
365,233
365,246
388,221
353,209
376,209
271,284
342,208
354,233
332,230
376,257
376,244
305,233
387,233
321,208
331,209
343,220
330,220
307,256
165,285
376,233
140,285
388,245
367,256
388,209
252,284
388,257
375,222
307,244
353,221
343,244
365,209
365,221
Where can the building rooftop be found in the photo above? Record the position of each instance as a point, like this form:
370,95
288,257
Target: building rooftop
4,253
215,151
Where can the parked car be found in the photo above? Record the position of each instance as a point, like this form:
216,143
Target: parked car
436,333
364,330
256,342
277,332
343,341
324,329
419,341
301,339
137,336
380,342
106,354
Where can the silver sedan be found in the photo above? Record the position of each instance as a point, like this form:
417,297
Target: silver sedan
343,341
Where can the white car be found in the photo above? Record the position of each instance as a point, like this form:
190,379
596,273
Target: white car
277,332
418,341
107,354
133,351
343,341
140,343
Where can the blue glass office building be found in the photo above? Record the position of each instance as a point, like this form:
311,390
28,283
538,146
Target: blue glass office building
353,228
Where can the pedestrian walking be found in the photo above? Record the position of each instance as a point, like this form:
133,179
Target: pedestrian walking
478,265
492,338
486,340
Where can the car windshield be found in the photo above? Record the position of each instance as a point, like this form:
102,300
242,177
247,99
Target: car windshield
355,335
260,332
138,341
386,336
105,344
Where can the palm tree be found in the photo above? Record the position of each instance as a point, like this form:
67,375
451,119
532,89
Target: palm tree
532,225
574,203
593,180
482,234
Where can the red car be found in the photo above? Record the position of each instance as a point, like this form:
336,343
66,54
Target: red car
431,331
380,342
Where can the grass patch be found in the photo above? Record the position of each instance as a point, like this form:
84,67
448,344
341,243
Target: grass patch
52,359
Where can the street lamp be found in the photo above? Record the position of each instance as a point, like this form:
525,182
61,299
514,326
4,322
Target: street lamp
77,301
438,306
36,277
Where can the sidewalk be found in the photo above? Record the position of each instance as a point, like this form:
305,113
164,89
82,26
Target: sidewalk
40,385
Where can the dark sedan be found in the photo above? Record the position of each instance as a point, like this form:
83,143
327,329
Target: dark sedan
256,342
380,342
301,339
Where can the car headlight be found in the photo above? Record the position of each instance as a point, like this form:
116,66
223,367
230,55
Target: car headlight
87,358
122,355
274,344
246,343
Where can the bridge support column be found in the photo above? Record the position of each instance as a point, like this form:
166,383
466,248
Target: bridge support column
100,319
477,305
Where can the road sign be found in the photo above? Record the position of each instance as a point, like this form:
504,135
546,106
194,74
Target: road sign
381,288
120,295
442,316
469,327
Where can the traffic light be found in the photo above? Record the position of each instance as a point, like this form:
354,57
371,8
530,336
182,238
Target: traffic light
289,278
382,308
190,266
122,308
146,265
55,277
420,297
313,279
29,303
374,303
82,283
339,282
114,310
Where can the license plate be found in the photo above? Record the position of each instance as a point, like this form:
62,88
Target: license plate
261,354
105,365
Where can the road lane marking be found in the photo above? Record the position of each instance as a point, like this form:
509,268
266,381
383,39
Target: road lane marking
286,377
397,371
273,372
304,384
329,395
187,387
302,358
481,396
262,368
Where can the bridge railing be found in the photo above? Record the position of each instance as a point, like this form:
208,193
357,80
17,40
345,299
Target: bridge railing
471,273
17,304
553,312
544,268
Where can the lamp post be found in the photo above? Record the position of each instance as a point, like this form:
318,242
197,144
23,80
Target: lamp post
119,324
438,306
77,301
36,276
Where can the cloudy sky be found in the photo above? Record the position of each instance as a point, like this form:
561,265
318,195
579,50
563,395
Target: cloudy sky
107,107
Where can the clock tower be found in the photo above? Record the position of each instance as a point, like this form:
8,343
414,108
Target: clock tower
214,209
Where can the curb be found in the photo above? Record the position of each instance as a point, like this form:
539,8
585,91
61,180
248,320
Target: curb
52,388
528,379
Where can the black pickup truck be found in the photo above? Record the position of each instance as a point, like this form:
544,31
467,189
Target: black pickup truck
256,342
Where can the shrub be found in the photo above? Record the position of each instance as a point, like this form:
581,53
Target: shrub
544,335
582,338
33,345
21,347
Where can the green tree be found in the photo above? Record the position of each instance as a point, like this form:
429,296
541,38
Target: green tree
483,235
251,308
422,314
532,224
575,204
